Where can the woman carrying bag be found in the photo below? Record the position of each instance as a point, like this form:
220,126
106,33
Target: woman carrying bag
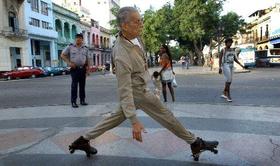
167,73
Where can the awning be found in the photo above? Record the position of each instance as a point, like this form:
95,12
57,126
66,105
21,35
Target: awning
275,41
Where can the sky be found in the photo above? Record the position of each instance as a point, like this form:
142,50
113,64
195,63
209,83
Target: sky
242,7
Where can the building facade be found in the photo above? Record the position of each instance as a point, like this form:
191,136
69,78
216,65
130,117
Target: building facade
100,49
275,27
67,26
13,35
264,27
101,11
42,35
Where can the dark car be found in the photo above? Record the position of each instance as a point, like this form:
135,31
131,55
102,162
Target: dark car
23,72
52,71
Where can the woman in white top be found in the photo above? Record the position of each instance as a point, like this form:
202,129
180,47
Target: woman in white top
226,60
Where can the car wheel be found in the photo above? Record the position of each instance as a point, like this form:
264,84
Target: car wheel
52,74
63,73
33,76
9,78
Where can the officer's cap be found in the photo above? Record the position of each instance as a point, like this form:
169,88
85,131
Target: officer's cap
79,35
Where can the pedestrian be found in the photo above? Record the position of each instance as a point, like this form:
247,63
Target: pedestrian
167,73
211,62
183,61
76,56
132,77
226,60
157,83
187,61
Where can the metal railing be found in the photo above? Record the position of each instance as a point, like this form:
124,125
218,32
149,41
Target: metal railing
14,32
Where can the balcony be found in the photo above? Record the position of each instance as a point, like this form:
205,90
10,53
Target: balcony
14,33
262,39
247,41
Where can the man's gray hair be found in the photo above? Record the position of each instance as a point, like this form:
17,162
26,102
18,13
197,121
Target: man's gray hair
124,13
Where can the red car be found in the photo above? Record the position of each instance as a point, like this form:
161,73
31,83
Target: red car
23,72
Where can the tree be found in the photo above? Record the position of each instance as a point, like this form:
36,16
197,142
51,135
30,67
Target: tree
197,20
113,23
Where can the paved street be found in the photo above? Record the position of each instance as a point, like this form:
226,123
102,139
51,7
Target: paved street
37,122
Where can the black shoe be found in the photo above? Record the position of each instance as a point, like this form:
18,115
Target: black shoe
201,145
74,105
84,103
82,144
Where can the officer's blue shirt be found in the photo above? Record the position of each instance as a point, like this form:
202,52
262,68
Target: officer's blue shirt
77,55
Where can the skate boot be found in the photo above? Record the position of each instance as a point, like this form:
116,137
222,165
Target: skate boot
82,144
201,145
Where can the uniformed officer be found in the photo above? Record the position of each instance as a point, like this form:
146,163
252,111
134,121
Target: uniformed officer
132,76
76,56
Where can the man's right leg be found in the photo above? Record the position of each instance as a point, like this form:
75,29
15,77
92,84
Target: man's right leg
74,87
154,108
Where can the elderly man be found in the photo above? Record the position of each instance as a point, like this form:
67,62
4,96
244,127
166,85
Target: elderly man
132,75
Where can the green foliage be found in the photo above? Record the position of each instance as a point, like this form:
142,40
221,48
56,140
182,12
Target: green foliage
113,23
231,23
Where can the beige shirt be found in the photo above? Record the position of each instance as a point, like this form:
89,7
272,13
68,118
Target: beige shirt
132,71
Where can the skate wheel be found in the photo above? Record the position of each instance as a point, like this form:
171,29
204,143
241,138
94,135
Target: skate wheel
196,158
72,151
88,155
215,151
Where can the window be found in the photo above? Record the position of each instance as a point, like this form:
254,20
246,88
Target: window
45,25
35,22
34,5
266,31
13,22
261,33
44,8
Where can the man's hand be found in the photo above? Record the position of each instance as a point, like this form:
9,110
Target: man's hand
137,129
220,71
72,65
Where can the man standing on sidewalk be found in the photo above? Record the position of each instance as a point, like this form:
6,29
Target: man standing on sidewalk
76,56
132,75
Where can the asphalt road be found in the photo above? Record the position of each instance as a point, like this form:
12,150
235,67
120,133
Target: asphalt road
260,87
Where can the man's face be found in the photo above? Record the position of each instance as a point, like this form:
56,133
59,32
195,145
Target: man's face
134,26
79,40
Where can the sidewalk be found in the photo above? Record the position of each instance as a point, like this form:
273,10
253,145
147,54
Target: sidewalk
194,70
248,135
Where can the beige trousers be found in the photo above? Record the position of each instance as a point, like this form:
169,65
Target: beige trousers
151,105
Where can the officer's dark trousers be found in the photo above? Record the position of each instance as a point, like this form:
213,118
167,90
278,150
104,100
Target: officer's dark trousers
78,77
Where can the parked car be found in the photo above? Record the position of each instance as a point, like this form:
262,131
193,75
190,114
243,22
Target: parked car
52,71
92,69
23,72
64,70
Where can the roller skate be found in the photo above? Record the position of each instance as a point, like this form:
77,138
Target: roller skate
82,144
201,145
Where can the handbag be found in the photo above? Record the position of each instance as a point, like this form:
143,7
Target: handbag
174,82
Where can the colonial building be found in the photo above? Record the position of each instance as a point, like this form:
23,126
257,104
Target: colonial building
13,35
96,37
264,25
67,26
42,35
275,27
77,6
101,11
